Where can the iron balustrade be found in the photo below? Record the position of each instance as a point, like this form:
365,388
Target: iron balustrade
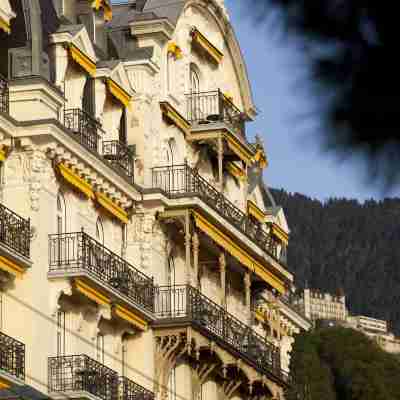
120,156
183,181
78,373
14,231
188,303
79,252
12,356
4,95
132,391
84,128
214,106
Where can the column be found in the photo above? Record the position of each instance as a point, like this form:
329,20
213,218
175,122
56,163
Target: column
220,161
222,269
247,285
187,247
196,246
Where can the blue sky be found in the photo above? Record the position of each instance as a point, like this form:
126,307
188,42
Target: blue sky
292,143
296,162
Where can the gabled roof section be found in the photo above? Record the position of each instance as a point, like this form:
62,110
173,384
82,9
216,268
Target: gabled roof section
165,9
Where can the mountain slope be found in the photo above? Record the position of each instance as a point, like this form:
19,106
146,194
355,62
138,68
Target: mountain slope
345,244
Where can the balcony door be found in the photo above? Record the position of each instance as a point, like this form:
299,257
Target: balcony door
194,111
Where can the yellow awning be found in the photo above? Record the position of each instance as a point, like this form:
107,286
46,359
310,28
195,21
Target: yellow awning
4,384
175,117
83,60
112,208
5,25
91,293
277,231
199,39
239,149
118,92
11,267
253,210
131,317
174,49
76,181
236,171
105,5
261,158
239,253
3,152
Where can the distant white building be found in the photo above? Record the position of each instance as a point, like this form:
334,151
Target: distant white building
318,305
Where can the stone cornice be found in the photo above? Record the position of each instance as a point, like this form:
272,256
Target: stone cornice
161,28
56,141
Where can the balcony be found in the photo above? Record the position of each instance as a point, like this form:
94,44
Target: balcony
14,232
75,374
120,156
84,128
87,131
186,305
205,108
183,181
133,391
12,359
77,254
4,95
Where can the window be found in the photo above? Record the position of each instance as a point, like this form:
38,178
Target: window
61,214
171,271
194,80
88,104
100,348
123,139
99,230
61,333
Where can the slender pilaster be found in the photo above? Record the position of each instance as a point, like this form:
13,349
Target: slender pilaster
247,285
222,269
196,246
187,247
220,161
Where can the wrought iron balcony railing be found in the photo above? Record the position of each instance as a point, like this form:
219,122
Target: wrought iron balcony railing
14,231
12,356
120,156
183,181
84,128
189,304
79,373
208,107
4,95
73,252
133,391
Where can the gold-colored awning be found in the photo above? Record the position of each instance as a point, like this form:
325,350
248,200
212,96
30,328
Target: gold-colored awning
236,171
76,181
238,252
277,231
118,92
11,267
200,40
82,59
237,147
3,152
112,208
91,293
173,116
261,158
131,317
105,5
5,25
255,211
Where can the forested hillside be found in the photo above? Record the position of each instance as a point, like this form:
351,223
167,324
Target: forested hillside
346,244
342,364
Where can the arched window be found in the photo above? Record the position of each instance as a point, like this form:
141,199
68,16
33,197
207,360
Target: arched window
88,97
61,213
171,276
99,230
194,79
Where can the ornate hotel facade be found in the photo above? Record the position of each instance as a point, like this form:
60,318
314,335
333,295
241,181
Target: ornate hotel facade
141,256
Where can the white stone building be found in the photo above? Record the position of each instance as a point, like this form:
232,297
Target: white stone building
135,231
